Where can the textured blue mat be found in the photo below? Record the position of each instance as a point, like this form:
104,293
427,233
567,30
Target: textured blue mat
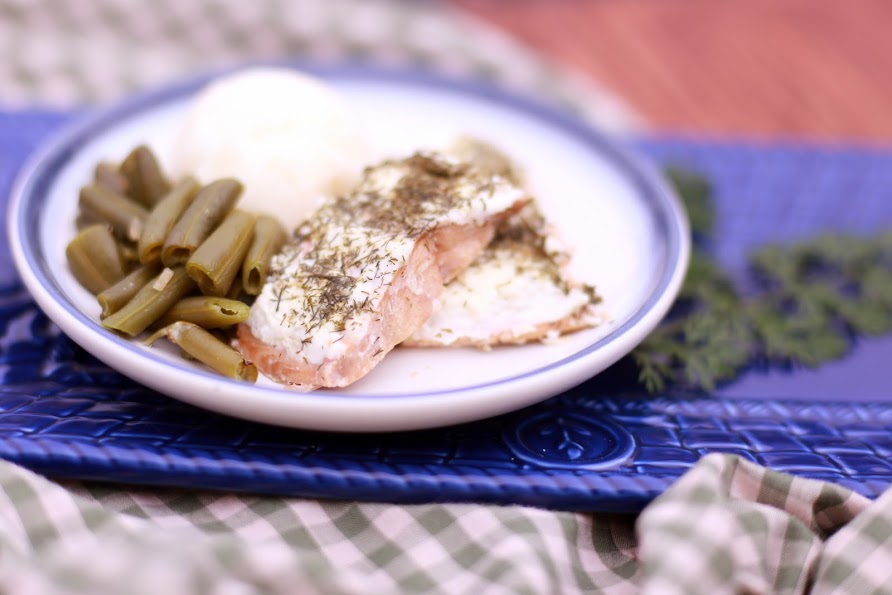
603,446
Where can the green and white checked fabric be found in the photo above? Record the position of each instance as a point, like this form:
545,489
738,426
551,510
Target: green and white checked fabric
727,526
63,53
730,526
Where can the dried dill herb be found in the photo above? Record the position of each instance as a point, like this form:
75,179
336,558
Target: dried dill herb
813,300
336,269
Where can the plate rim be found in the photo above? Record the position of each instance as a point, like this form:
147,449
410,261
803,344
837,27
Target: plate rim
327,408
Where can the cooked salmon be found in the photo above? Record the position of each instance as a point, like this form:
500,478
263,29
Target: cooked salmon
517,291
368,268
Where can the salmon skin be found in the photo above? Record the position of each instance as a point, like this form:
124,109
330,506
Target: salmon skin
367,269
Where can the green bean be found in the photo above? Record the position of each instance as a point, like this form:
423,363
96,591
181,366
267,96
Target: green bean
145,180
114,297
151,302
104,204
85,220
94,258
209,207
208,312
218,260
235,290
108,175
212,352
161,331
269,235
162,218
129,254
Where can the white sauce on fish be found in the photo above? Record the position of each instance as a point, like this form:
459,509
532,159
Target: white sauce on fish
516,291
328,282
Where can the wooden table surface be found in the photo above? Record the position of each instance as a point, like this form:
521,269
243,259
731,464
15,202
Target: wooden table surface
815,69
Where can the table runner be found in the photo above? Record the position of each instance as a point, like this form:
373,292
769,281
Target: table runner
725,526
67,415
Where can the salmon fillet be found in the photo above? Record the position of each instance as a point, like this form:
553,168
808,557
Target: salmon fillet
517,291
367,269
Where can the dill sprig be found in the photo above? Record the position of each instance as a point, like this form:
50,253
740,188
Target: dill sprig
812,300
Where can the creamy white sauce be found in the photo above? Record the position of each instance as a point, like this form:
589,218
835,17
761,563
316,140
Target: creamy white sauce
516,291
326,287
501,297
284,314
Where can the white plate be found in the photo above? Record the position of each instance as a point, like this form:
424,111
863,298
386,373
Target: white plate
629,232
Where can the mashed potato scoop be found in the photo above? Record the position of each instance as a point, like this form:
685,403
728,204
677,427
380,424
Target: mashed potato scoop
290,138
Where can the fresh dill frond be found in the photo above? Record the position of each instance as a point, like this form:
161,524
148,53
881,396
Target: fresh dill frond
696,193
811,301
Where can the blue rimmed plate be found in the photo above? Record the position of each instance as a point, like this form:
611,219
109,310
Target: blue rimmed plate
628,230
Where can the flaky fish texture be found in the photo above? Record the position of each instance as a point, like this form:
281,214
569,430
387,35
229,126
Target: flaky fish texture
368,268
518,290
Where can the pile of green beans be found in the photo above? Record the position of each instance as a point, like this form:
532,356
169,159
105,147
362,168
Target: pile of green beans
174,257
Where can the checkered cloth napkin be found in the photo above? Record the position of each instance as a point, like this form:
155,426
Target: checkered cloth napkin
727,526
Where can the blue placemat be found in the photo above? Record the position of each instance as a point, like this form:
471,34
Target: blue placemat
605,445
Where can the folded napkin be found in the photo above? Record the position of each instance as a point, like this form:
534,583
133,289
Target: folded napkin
727,526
